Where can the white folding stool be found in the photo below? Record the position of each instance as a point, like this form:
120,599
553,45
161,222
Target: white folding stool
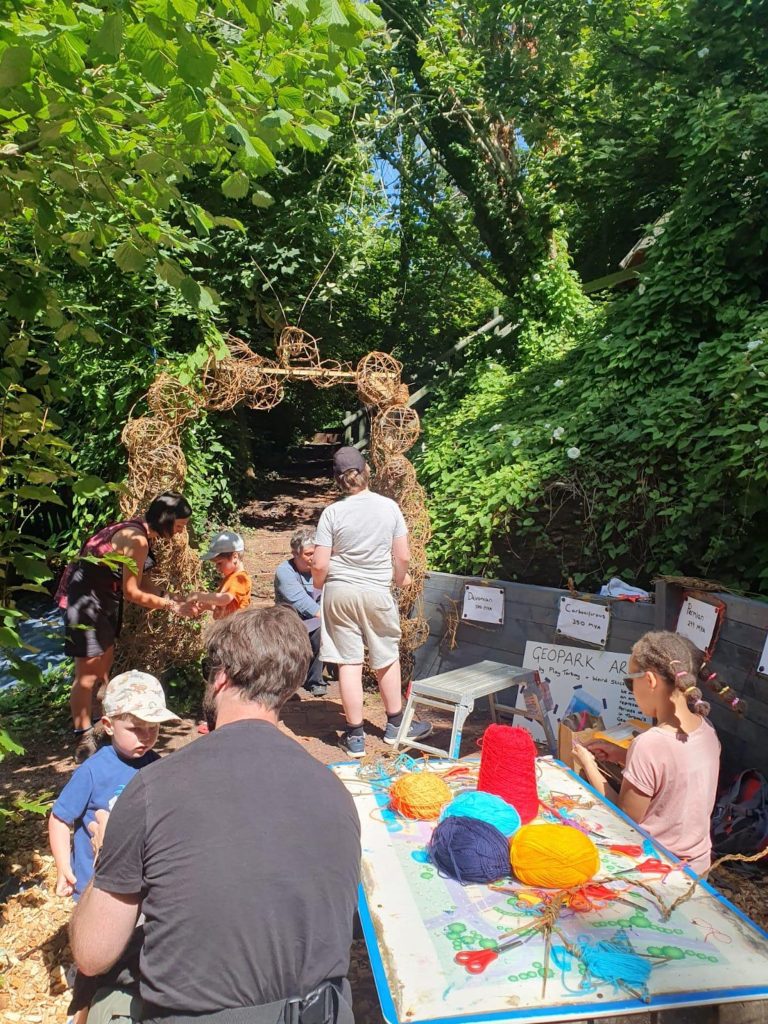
457,691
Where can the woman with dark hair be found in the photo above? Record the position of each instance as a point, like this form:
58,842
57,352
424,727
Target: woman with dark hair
92,593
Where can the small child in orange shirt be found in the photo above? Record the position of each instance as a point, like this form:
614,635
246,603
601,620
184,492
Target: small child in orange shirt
225,551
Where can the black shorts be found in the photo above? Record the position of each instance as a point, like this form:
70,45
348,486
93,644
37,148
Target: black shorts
92,623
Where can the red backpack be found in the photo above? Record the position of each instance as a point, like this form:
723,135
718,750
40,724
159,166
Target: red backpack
98,545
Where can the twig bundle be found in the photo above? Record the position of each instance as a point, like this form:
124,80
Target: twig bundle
378,379
396,429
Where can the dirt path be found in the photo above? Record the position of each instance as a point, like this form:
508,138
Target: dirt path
293,499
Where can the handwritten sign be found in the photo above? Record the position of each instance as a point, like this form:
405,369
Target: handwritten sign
483,604
762,665
697,621
571,668
583,620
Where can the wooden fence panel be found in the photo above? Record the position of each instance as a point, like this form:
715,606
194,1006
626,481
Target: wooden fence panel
530,614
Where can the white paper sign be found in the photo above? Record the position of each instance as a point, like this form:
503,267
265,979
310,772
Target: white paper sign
601,673
483,604
762,665
583,620
697,621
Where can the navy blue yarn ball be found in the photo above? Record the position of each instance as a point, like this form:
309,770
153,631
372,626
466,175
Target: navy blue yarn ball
469,850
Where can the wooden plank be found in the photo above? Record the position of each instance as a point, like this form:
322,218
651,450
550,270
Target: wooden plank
742,635
746,611
527,593
469,654
756,718
513,611
737,657
745,748
609,280
669,598
513,636
637,614
543,597
425,658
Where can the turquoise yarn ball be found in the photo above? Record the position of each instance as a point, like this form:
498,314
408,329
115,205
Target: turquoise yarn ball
484,807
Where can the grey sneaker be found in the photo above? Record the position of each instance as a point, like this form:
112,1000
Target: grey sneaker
418,731
353,745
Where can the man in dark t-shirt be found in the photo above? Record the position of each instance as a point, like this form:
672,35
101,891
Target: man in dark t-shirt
241,850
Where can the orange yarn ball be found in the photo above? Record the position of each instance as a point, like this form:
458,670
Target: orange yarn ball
553,856
420,795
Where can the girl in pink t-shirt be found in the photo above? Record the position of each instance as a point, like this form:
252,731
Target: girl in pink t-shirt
670,777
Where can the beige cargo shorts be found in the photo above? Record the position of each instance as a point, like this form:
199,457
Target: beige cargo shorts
353,619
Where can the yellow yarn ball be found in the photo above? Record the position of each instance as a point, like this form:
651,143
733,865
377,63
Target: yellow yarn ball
420,795
553,856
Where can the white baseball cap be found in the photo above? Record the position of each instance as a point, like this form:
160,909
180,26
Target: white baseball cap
139,694
223,543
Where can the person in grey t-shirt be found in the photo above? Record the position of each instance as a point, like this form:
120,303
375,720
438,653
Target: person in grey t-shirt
361,549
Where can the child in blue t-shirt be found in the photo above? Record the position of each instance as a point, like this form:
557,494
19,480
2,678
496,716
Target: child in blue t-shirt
134,705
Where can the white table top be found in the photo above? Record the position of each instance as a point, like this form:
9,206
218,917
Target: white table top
471,682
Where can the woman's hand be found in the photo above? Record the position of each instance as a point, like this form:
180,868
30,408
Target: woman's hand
184,609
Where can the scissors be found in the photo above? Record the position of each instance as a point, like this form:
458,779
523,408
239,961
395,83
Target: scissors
652,866
627,851
475,961
596,897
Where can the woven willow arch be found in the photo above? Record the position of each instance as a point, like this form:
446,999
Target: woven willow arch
156,463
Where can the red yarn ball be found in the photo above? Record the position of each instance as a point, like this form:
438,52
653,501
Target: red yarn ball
508,768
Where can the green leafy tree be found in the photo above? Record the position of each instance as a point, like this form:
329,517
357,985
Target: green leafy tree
630,436
108,110
107,113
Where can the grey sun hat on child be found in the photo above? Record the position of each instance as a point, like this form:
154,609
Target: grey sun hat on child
223,543
138,694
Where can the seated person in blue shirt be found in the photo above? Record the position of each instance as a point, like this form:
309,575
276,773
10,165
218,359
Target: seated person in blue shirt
294,587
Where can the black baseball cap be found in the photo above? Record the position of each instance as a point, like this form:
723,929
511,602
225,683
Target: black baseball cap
347,458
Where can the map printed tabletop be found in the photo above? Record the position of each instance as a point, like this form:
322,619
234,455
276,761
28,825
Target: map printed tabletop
416,921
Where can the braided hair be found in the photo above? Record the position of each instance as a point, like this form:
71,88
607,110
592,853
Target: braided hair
678,662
